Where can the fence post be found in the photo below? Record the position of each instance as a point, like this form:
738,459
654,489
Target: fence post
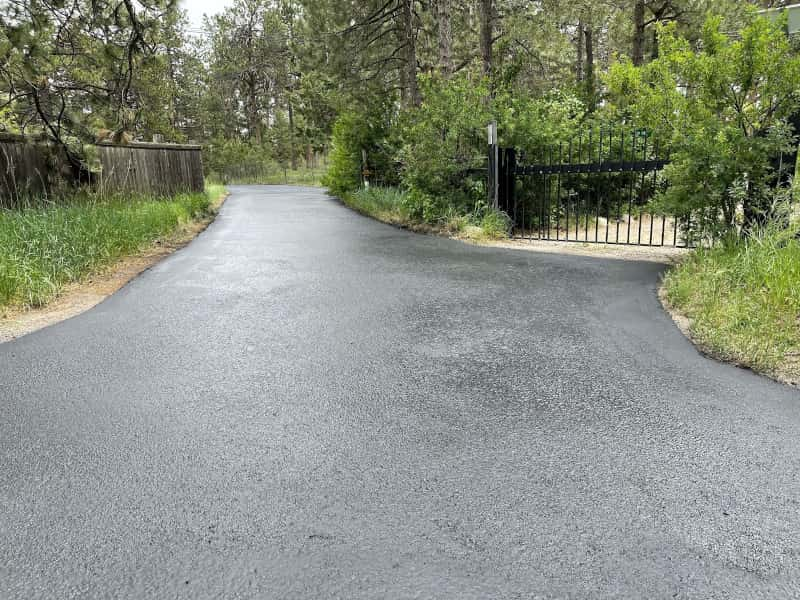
493,164
364,169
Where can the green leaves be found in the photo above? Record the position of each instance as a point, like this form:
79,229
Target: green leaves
723,106
445,137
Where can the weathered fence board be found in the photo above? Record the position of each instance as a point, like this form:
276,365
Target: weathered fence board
159,169
24,168
29,168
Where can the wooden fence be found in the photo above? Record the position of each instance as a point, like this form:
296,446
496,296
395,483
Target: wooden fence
25,168
158,169
31,168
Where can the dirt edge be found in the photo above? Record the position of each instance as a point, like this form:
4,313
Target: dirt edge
78,297
657,254
684,324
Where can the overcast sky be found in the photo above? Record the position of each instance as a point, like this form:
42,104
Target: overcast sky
196,8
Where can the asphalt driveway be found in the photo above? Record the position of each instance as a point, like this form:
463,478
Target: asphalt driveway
305,403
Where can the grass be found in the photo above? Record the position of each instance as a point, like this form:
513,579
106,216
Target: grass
303,176
384,204
391,205
743,300
46,247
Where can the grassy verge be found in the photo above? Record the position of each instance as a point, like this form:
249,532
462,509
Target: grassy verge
391,205
45,248
305,177
743,301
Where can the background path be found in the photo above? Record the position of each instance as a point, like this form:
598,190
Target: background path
305,403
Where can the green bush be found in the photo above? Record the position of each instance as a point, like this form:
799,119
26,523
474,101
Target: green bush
495,224
354,132
441,141
43,248
723,110
532,125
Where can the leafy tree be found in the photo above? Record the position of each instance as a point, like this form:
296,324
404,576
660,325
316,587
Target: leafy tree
71,69
249,58
441,141
724,109
357,135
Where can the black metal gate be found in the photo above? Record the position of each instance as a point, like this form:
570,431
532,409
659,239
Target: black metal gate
596,188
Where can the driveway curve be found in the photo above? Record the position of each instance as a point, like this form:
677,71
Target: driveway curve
305,403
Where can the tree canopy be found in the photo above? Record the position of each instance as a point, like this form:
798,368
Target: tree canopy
276,82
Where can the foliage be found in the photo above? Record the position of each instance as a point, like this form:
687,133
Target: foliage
356,134
724,109
249,65
303,176
71,69
237,160
43,248
383,203
441,140
532,124
396,206
743,298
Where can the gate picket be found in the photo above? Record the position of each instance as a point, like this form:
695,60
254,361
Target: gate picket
597,176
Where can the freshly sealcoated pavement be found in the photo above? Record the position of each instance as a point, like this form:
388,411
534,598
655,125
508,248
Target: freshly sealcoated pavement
305,403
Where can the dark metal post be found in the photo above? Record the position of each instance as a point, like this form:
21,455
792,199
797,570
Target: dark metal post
494,179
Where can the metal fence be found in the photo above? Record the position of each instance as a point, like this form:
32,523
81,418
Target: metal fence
595,188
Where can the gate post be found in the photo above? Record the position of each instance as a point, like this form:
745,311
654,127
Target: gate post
493,181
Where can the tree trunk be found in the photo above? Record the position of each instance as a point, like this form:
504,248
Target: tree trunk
579,58
637,51
173,109
445,37
413,97
292,150
654,53
253,122
588,35
486,18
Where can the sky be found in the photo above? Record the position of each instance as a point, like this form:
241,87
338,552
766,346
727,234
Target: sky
196,8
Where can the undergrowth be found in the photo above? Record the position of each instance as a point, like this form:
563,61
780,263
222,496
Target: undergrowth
743,299
393,205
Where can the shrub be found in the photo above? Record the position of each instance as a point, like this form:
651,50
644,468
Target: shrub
441,141
495,224
356,134
724,110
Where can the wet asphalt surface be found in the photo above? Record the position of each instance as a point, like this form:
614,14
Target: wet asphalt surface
305,403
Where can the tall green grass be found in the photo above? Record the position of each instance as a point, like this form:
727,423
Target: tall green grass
391,205
744,300
384,204
277,176
42,248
